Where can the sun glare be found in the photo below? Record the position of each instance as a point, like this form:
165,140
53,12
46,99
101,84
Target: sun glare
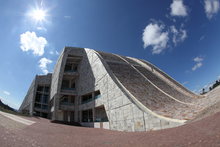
38,15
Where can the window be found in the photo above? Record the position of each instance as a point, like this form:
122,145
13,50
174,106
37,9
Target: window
68,85
44,107
68,67
47,89
87,116
42,97
45,98
37,105
38,97
37,113
86,98
40,88
100,114
73,84
72,99
65,84
67,100
97,94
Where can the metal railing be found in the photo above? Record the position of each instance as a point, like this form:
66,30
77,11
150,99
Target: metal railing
97,96
65,88
66,103
86,101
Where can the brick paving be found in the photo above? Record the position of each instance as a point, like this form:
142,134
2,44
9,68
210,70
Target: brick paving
205,132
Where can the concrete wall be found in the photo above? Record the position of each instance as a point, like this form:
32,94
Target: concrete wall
123,114
28,102
57,80
124,111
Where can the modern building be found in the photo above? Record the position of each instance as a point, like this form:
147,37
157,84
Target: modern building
105,90
37,99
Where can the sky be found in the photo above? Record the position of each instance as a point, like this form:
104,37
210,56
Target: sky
181,37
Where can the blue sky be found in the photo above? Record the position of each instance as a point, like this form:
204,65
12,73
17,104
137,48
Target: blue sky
181,37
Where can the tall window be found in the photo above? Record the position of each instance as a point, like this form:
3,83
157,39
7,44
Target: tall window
65,84
68,84
70,67
87,116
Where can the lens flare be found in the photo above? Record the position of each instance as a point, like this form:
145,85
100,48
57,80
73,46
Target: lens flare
38,15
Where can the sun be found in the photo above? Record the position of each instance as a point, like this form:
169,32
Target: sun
38,15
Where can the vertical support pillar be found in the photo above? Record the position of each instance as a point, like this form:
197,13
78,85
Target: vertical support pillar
93,109
77,115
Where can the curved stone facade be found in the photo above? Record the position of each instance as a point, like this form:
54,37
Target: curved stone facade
104,90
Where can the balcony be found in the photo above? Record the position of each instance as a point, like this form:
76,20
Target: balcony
101,119
86,101
67,106
41,107
68,91
71,73
97,96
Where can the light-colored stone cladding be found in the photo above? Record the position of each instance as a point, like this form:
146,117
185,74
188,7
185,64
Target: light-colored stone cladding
135,95
123,114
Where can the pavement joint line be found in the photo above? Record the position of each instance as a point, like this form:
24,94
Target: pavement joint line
17,118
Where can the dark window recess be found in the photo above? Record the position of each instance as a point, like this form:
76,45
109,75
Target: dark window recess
73,85
45,98
64,99
38,97
44,107
87,116
74,68
37,113
65,84
46,89
97,94
68,67
68,85
67,100
100,114
44,115
37,105
86,98
40,88
72,99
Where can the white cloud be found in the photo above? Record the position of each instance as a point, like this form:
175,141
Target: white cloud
198,61
154,36
43,64
196,66
54,52
67,17
178,8
178,35
6,93
211,7
29,41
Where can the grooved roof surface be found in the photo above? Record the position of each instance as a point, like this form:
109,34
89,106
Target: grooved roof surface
152,91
